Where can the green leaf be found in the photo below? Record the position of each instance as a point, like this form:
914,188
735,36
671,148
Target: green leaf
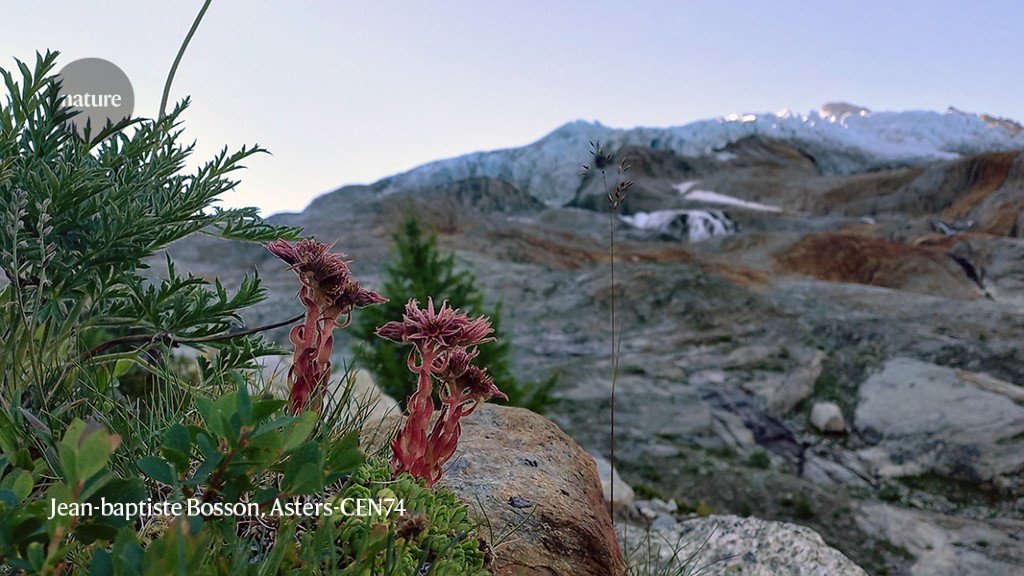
101,564
158,469
122,367
36,556
304,472
299,431
67,451
95,451
261,409
210,413
94,484
177,448
275,424
211,458
344,455
307,479
264,495
9,499
178,438
128,552
268,442
244,404
22,484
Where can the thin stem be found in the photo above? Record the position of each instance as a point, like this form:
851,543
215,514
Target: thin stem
615,370
611,438
177,59
172,340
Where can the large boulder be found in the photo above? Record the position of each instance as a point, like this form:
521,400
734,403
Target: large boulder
726,545
921,417
538,494
534,491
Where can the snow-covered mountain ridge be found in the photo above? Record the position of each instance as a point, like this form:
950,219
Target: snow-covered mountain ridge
842,139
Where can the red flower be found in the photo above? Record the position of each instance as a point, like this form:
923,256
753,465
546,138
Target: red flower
441,337
327,292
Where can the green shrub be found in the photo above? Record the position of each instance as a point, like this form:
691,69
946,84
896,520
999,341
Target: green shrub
419,271
78,219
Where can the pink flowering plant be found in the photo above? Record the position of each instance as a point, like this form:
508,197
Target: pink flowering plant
444,341
328,292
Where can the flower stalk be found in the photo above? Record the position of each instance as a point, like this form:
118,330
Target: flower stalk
444,342
328,292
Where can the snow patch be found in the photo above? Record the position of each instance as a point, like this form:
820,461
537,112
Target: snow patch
684,187
694,225
716,198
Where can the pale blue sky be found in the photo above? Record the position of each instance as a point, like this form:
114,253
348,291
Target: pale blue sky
348,91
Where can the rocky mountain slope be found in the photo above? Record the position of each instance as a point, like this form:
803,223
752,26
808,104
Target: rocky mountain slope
763,265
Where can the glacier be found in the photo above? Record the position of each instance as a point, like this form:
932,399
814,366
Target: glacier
840,143
694,225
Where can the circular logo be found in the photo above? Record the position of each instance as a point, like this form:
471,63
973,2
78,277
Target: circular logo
99,91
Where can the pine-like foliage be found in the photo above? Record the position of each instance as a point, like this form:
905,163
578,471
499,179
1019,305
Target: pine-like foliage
78,219
419,270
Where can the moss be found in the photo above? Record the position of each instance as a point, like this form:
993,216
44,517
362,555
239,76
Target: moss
703,509
826,385
723,452
759,459
799,505
953,489
648,492
890,493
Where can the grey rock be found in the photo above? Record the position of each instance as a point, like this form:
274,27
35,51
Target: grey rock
1003,269
823,470
624,494
655,507
828,417
955,428
725,545
947,545
533,486
732,430
717,344
782,392
663,522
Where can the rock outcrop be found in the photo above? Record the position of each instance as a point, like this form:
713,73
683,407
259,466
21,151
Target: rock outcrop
726,545
922,418
948,546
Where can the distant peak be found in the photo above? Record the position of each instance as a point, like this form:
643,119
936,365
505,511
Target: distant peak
1007,124
840,110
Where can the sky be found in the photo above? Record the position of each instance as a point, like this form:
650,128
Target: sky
349,91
